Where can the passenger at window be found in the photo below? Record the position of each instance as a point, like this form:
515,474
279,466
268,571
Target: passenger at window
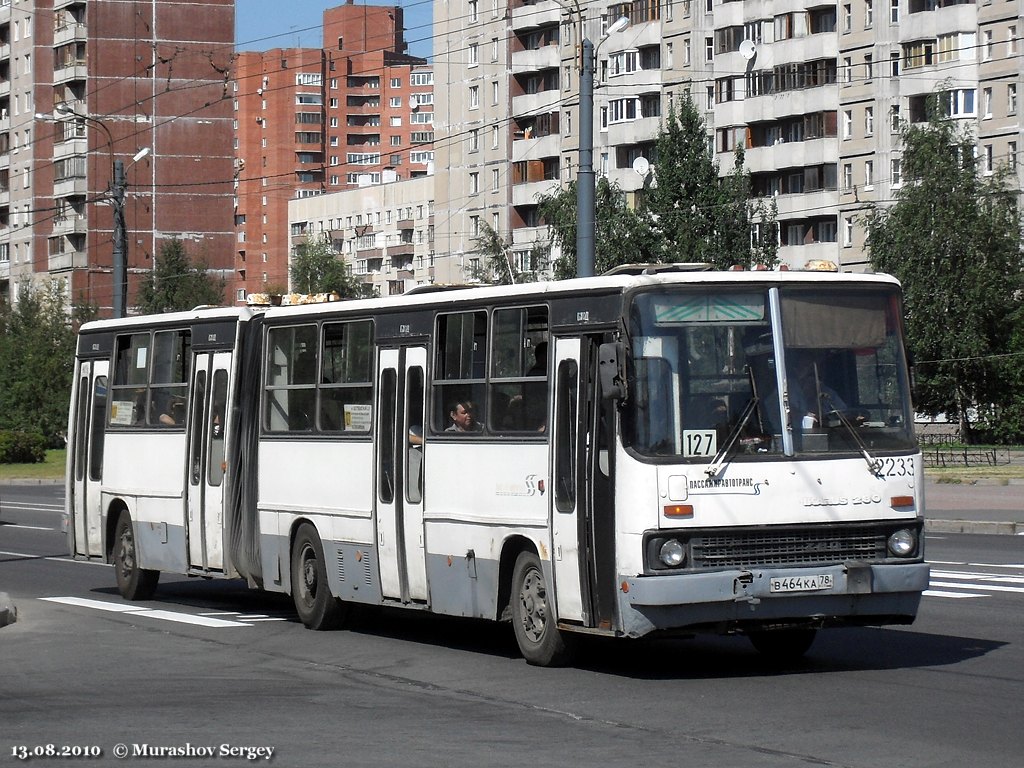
462,414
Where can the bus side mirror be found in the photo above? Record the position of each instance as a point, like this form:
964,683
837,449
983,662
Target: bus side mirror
612,370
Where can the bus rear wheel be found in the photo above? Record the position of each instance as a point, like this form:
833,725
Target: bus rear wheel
133,582
783,645
540,641
317,607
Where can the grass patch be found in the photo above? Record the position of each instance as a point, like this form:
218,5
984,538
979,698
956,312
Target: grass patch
51,469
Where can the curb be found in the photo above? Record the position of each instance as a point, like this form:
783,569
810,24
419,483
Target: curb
974,526
8,613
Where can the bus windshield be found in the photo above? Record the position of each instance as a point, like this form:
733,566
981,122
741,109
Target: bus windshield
714,368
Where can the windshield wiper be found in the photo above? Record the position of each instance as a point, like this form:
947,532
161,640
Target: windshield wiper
718,463
874,464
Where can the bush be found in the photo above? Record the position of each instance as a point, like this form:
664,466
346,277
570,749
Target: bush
17,447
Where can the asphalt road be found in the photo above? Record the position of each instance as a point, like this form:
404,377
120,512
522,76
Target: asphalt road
208,664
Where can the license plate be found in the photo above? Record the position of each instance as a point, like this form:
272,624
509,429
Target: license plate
811,583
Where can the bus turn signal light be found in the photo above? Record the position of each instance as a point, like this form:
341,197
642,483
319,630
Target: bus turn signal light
679,510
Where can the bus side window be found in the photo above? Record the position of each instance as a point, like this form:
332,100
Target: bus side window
460,342
519,370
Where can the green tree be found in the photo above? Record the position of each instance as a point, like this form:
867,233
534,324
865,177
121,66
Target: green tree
498,267
316,269
620,237
953,239
695,214
37,353
176,283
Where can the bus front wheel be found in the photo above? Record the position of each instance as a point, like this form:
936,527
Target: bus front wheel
537,633
133,582
317,607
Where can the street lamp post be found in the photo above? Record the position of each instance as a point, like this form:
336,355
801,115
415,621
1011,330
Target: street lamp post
118,189
585,183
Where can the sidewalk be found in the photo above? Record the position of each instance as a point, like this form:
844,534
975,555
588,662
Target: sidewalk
8,613
984,506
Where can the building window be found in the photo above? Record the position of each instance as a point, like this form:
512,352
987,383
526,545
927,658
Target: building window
869,174
989,159
847,124
894,118
894,11
986,48
1011,150
474,140
848,177
869,121
847,70
847,18
986,100
869,13
474,57
474,97
896,172
474,183
894,64
1011,99
709,49
847,231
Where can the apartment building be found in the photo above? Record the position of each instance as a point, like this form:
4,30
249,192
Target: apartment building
315,121
385,231
814,91
87,83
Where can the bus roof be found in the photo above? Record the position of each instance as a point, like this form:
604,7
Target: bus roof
421,299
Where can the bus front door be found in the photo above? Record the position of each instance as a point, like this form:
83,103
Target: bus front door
399,474
206,433
87,462
582,514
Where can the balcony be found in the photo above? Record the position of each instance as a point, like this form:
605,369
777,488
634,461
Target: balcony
528,149
539,14
71,224
68,260
74,70
69,33
545,57
75,186
62,150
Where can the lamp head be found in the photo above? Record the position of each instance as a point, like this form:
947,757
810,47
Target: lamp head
618,25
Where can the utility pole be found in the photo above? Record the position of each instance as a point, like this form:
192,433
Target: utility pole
118,188
585,225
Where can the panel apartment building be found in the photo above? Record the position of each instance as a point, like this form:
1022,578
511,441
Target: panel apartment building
814,91
84,83
312,121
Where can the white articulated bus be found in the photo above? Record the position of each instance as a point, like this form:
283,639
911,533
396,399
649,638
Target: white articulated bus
674,451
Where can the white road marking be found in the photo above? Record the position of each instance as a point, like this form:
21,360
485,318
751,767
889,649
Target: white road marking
64,559
986,586
940,593
181,618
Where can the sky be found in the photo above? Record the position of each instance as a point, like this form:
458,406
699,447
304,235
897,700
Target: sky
263,24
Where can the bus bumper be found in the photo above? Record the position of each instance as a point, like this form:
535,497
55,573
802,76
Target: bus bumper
860,594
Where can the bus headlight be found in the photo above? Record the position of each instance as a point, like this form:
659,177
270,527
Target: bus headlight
902,543
672,553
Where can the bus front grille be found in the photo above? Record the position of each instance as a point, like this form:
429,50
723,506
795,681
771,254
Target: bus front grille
789,546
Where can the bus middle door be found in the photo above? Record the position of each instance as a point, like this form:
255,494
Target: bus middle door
206,432
399,474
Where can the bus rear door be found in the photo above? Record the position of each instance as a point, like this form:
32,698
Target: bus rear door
87,462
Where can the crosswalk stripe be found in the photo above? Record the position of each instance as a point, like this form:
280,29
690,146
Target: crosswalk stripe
941,593
151,613
989,587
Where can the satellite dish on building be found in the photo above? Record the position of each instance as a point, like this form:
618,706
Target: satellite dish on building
748,49
641,166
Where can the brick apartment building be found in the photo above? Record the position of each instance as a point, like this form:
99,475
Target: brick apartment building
312,121
84,83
